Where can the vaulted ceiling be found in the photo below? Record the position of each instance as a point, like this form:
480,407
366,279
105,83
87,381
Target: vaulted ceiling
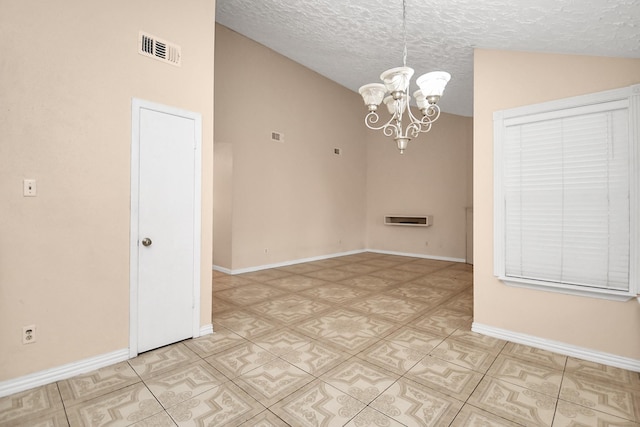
352,41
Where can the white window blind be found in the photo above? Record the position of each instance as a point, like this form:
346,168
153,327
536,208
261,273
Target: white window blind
565,196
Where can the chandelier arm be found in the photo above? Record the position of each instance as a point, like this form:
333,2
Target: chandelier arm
415,125
412,118
415,128
432,114
389,128
424,124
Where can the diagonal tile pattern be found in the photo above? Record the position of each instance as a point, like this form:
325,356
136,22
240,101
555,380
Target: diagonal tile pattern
290,309
413,404
226,404
445,377
346,329
466,356
296,283
97,383
119,408
359,379
515,403
531,376
31,404
603,397
273,381
360,340
389,307
162,360
240,360
315,357
184,383
392,356
333,293
318,404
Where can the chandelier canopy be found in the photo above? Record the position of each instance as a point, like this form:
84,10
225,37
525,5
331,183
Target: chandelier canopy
394,92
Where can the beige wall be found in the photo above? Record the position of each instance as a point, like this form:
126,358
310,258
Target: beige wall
295,199
432,177
511,79
298,199
68,73
222,202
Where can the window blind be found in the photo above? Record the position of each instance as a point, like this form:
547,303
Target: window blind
566,196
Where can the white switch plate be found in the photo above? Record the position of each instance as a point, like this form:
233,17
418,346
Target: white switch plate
29,188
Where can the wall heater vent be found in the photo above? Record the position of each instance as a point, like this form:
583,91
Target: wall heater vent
159,49
410,220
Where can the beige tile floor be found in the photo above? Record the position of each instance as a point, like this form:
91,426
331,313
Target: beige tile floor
361,340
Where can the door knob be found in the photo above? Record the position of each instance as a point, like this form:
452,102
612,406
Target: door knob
146,241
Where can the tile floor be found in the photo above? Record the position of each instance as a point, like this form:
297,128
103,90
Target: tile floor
361,340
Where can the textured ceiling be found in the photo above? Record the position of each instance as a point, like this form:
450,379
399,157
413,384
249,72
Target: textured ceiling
351,42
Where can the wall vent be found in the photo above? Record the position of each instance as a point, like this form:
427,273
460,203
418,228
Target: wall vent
277,136
410,220
159,49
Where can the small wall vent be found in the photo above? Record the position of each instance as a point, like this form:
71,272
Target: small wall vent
159,49
277,136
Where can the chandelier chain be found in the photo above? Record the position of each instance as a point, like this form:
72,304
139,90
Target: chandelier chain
404,32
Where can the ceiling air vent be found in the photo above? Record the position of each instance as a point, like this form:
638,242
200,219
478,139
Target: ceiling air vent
159,49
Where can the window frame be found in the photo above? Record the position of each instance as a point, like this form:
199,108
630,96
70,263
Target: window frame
554,109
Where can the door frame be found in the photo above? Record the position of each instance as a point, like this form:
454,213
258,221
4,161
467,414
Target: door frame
136,106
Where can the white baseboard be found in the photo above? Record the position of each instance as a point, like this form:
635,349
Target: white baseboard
63,372
559,347
439,258
221,269
69,370
206,329
285,263
321,257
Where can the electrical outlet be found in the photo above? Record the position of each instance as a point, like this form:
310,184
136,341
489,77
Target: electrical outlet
29,334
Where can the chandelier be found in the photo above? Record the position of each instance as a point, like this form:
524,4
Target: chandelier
403,125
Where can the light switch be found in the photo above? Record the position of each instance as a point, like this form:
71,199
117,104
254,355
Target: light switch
29,188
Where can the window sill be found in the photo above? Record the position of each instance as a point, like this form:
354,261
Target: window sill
606,294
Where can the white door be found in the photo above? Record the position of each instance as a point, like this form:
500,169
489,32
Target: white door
165,225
